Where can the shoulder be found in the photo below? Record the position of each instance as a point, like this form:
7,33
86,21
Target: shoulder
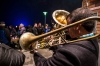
81,51
78,47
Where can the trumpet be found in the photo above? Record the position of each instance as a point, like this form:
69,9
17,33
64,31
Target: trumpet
27,40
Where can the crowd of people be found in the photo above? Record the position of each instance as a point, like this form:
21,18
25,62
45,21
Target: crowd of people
81,53
13,33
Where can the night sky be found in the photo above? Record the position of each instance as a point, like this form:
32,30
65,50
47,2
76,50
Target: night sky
14,12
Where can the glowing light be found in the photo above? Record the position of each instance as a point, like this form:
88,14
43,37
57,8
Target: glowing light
45,13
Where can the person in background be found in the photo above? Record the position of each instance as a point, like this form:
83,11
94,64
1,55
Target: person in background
13,31
81,53
40,29
29,29
47,28
13,35
4,34
22,29
53,26
35,31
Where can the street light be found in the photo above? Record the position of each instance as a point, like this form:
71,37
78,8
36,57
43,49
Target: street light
45,13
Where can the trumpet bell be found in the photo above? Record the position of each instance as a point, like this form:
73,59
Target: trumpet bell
60,17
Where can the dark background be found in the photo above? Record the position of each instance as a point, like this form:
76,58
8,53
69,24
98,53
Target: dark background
14,12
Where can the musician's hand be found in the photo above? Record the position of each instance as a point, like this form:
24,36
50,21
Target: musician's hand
33,51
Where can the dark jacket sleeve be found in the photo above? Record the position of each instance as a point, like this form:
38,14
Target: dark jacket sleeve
60,58
10,57
7,33
83,53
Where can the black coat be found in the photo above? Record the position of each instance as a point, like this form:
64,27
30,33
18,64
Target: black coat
10,57
35,31
5,35
83,53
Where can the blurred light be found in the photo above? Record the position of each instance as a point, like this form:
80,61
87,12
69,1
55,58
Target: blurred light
45,13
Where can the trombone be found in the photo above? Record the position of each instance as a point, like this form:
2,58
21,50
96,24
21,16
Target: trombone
27,40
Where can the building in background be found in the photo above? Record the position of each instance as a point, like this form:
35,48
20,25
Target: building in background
94,5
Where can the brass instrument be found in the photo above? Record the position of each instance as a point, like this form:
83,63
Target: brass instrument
59,17
27,40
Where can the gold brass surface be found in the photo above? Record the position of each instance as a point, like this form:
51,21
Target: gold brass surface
60,17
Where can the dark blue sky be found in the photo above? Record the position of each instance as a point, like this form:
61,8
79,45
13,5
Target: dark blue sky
14,12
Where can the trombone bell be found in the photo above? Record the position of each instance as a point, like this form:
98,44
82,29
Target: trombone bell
26,41
60,17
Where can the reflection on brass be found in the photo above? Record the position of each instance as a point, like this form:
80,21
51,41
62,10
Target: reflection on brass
60,17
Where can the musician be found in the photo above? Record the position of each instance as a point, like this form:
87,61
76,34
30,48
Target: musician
82,53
